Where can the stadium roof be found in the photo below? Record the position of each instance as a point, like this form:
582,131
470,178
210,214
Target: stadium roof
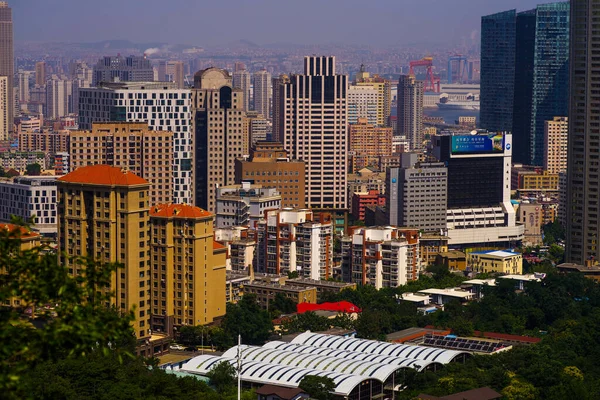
315,361
377,347
400,362
274,374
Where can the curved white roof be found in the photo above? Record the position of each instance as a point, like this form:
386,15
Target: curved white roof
401,362
376,347
314,361
275,374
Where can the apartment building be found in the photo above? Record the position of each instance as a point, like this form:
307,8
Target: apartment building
49,142
245,204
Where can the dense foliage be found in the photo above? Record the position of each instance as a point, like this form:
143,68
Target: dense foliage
248,319
318,387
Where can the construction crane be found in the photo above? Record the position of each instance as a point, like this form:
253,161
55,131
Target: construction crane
458,69
432,82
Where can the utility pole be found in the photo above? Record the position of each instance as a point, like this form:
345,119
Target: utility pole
239,368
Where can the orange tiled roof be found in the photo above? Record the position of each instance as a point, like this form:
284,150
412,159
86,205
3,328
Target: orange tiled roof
178,211
217,245
25,233
103,175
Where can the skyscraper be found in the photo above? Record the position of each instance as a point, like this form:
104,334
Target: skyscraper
313,128
583,180
164,108
363,104
4,98
556,133
7,58
59,101
384,90
242,81
219,134
24,86
40,73
498,45
262,93
410,110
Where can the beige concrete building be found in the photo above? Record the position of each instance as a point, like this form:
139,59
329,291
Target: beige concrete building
242,80
266,291
50,142
188,267
59,94
363,102
410,110
368,143
556,133
104,213
240,244
270,166
384,90
128,145
502,261
220,133
40,73
262,93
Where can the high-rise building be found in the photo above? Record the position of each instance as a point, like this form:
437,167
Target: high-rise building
243,80
410,110
498,46
172,71
23,78
384,90
59,98
164,108
4,105
533,46
245,204
188,268
363,104
7,60
278,110
262,93
103,212
124,69
555,145
583,181
479,187
131,146
416,194
40,73
381,256
220,134
257,126
48,142
291,240
368,143
313,128
270,166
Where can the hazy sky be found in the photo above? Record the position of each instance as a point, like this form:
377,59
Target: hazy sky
203,22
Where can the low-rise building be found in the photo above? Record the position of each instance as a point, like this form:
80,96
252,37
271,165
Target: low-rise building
502,261
291,240
590,270
245,204
381,256
240,244
361,200
50,142
526,179
530,216
266,291
454,260
322,286
430,245
18,160
443,296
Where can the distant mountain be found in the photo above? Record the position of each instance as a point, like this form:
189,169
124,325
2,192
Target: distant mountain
121,44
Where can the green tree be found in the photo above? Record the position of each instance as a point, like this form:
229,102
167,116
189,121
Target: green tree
223,376
318,387
283,304
248,319
292,274
308,321
33,169
2,172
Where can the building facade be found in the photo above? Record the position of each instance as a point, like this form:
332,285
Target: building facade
384,90
313,128
220,135
49,142
7,61
4,105
161,106
188,267
368,143
291,240
122,69
59,98
262,93
410,110
555,145
244,204
103,212
131,146
242,80
381,256
363,104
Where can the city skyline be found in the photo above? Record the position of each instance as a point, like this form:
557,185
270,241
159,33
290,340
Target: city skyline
193,23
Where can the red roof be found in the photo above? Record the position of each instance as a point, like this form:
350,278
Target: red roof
178,211
25,233
103,175
340,306
217,245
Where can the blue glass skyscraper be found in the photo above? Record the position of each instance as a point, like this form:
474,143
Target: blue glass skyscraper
498,46
550,89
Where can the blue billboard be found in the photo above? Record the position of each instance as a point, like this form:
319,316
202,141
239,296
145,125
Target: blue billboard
478,144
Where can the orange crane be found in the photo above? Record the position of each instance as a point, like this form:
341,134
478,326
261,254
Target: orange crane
432,82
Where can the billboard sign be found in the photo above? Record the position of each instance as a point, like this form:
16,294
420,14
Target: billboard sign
478,144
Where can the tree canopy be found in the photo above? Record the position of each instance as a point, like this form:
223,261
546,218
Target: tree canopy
33,169
318,387
247,318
